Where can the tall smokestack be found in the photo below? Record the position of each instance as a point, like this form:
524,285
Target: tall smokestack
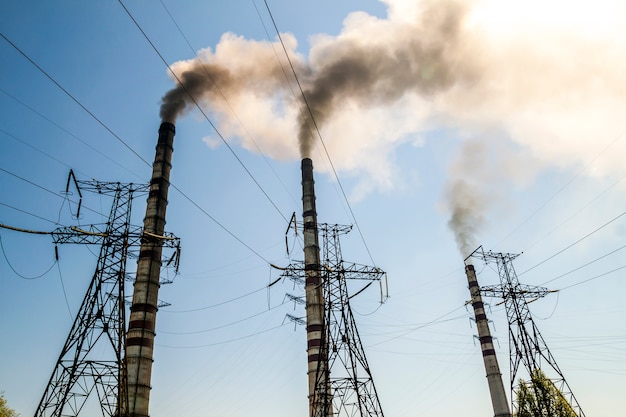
317,356
494,377
140,336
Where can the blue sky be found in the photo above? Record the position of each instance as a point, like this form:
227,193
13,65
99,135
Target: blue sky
528,115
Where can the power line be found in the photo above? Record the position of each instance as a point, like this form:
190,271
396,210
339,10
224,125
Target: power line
225,325
572,244
67,303
219,304
560,190
44,189
592,278
22,276
578,212
195,102
223,342
421,326
220,225
82,106
306,102
123,142
28,213
208,73
29,182
582,266
280,63
52,122
34,148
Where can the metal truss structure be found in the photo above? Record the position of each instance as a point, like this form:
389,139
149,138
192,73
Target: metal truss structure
92,359
526,345
352,391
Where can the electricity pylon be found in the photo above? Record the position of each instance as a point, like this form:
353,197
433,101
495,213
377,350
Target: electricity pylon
92,358
526,345
347,389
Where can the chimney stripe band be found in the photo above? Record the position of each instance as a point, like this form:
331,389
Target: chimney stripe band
148,308
489,352
314,358
139,341
141,324
314,343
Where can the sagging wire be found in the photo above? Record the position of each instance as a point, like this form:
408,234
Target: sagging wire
224,325
556,304
223,342
4,254
271,283
227,301
67,303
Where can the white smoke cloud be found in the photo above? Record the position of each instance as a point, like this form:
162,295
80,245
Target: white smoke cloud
549,75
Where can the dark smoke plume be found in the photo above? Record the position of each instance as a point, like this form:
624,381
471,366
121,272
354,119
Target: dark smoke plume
467,205
467,65
419,57
198,82
209,81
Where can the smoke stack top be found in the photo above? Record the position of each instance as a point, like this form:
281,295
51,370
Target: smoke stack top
307,169
167,126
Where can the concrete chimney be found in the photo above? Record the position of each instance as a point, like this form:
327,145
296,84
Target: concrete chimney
142,323
494,377
317,356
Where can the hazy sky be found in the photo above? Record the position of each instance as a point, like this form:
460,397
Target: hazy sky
450,125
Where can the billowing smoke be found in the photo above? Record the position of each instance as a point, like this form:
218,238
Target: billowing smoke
200,80
416,58
210,79
411,58
478,176
548,76
465,194
467,206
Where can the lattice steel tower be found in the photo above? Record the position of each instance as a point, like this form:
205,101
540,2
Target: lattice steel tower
347,389
92,359
526,345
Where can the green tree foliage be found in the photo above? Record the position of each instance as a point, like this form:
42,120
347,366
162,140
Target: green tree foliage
541,398
5,411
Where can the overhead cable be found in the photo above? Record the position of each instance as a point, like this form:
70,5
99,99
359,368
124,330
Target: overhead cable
29,278
575,243
100,122
223,342
587,264
217,86
195,102
306,102
226,325
560,190
125,144
52,122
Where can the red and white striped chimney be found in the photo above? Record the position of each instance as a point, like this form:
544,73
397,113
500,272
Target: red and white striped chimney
494,377
319,390
142,322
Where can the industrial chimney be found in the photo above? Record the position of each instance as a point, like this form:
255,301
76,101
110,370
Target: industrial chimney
142,323
494,377
319,390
